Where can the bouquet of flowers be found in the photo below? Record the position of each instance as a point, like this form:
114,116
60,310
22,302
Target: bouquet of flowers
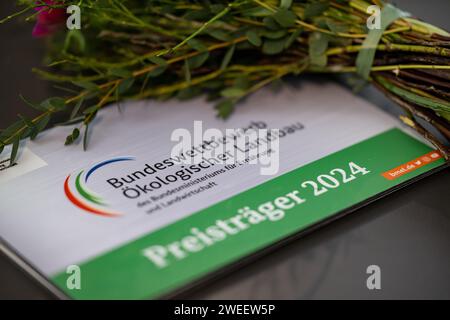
226,50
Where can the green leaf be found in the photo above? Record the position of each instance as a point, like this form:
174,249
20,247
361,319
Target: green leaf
187,71
253,37
85,137
270,23
120,72
318,45
232,92
337,27
198,60
315,9
14,150
366,55
125,85
197,15
435,104
91,109
86,85
219,34
224,108
157,71
294,35
242,82
197,45
188,93
273,46
79,39
285,18
445,115
33,105
75,133
6,133
40,126
158,61
27,132
72,137
256,12
117,97
227,58
54,104
285,4
278,34
76,109
27,121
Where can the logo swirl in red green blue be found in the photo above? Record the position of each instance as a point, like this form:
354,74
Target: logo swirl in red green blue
77,191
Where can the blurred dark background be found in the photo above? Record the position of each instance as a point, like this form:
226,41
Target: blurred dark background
407,234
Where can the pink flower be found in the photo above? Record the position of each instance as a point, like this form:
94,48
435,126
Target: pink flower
49,20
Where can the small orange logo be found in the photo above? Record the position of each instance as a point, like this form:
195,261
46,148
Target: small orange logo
412,165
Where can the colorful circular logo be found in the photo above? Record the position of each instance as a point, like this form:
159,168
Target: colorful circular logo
77,191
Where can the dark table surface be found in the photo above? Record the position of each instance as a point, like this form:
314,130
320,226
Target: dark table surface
407,234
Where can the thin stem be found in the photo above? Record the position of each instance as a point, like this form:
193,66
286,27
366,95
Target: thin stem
201,29
339,69
444,52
